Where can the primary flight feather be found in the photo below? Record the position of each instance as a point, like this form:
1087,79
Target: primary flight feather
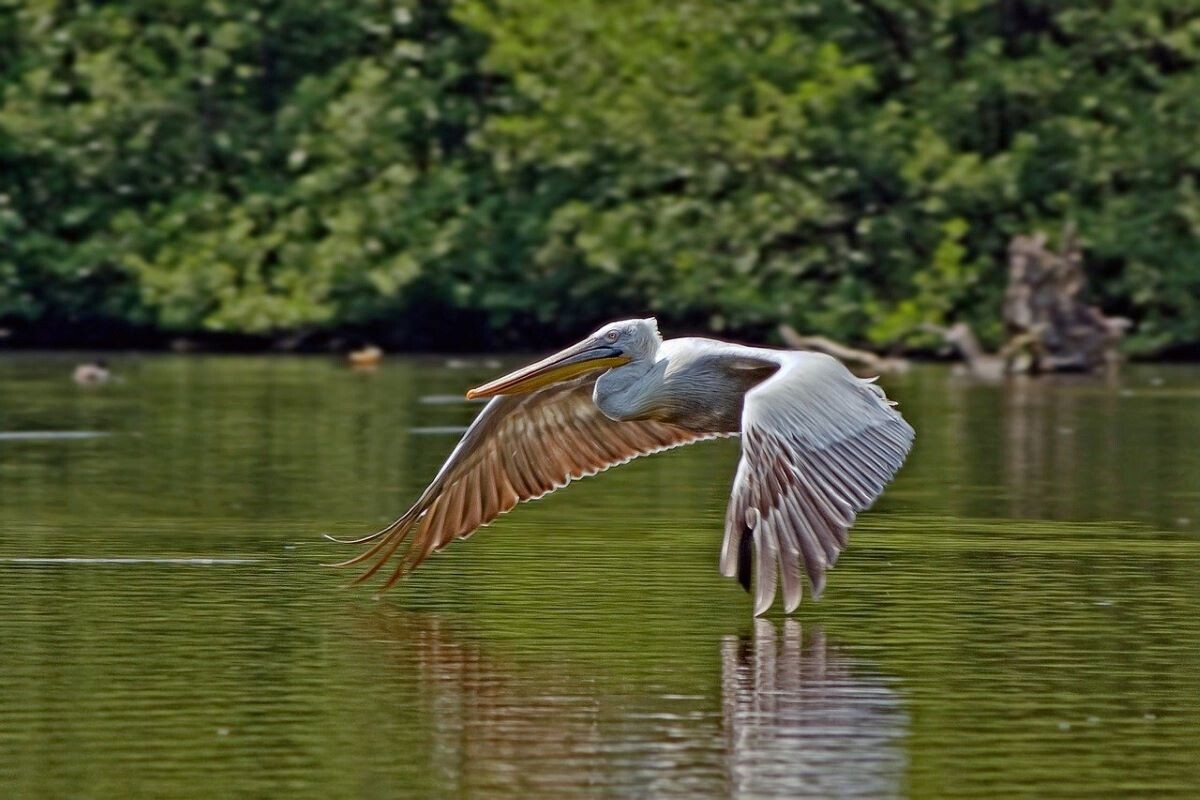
818,446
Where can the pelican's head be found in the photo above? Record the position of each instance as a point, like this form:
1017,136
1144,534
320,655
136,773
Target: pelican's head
612,345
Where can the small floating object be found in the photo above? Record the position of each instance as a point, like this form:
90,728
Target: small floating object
368,356
467,363
38,436
447,400
92,373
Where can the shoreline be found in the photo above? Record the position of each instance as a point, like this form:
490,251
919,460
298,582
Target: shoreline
917,358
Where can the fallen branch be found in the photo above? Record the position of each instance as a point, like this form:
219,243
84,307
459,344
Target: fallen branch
978,362
844,353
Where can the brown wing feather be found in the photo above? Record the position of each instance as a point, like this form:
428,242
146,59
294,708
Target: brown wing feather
519,448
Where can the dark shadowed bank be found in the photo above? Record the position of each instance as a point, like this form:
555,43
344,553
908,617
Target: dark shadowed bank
491,173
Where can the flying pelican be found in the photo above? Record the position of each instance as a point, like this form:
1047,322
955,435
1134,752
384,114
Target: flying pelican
818,446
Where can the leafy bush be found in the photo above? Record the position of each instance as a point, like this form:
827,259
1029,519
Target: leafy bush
854,168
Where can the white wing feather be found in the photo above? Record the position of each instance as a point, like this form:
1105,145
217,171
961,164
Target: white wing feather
818,446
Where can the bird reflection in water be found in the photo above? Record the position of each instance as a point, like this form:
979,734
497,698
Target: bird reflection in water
795,718
801,721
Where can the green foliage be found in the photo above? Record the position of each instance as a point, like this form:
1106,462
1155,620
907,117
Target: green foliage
854,168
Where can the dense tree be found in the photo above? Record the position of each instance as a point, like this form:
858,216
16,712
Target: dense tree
855,168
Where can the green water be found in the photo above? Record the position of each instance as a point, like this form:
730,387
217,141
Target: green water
1019,616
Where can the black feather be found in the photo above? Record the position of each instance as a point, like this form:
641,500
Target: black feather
745,550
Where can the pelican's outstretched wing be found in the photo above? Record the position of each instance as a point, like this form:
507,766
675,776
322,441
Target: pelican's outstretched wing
818,446
519,448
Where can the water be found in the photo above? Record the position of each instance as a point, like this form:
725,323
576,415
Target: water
1019,616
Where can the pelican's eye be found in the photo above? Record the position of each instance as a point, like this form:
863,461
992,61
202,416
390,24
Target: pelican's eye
612,336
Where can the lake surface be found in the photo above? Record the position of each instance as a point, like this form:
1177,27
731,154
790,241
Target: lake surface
1019,616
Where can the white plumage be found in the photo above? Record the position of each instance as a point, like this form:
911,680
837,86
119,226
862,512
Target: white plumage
818,446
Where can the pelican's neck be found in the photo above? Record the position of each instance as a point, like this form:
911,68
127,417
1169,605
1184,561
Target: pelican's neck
625,392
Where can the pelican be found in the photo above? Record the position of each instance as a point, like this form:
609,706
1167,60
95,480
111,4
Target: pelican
818,446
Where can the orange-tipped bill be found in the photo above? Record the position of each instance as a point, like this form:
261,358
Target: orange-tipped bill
584,357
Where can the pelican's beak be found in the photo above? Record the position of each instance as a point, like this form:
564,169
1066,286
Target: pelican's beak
588,355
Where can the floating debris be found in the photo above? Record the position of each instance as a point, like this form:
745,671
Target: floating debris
35,436
470,363
368,356
92,373
448,399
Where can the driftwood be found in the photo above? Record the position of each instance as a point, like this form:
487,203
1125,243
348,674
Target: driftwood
979,363
1044,306
1049,326
848,355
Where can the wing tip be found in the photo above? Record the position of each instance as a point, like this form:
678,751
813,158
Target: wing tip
745,551
818,588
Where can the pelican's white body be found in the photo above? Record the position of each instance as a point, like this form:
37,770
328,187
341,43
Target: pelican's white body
818,446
